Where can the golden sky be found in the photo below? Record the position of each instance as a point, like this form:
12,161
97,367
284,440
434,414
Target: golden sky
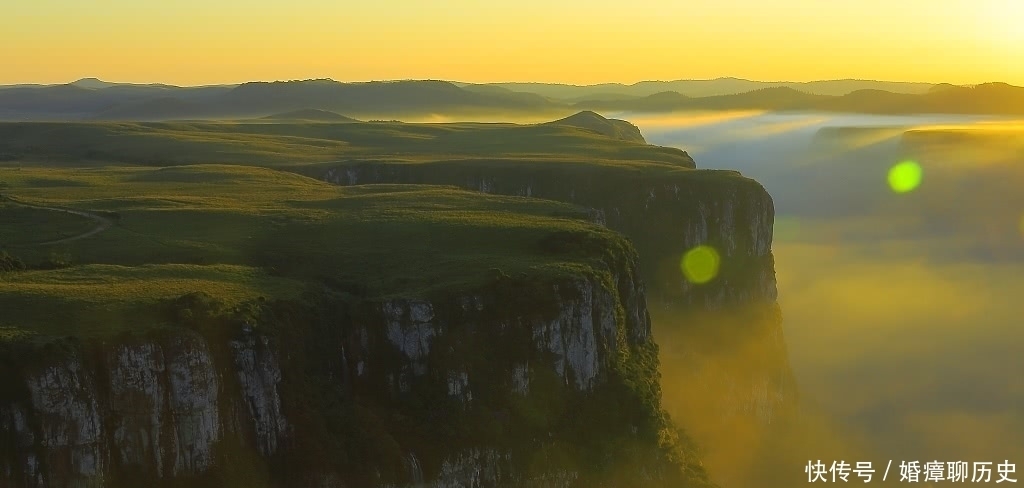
190,42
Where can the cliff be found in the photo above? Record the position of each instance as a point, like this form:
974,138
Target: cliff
384,328
727,331
505,342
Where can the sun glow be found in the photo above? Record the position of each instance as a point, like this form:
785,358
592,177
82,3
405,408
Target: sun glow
1003,20
952,41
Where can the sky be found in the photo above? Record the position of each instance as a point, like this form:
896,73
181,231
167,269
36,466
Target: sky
192,42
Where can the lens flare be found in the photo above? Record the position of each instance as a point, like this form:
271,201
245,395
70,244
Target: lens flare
700,264
905,176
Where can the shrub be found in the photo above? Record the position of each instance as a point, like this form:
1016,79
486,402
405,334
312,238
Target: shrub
196,308
10,263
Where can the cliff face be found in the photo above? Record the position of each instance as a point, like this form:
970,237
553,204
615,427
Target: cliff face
105,414
532,383
665,213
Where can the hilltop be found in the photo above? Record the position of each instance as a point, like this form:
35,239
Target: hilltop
614,128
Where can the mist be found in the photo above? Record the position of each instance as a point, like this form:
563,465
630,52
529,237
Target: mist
901,310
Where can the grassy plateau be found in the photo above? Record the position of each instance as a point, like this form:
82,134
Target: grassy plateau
107,219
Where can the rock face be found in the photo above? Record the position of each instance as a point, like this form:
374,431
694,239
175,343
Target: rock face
535,383
107,415
259,376
70,433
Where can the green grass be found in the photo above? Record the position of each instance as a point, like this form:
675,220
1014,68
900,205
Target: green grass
21,226
91,300
99,283
122,187
239,232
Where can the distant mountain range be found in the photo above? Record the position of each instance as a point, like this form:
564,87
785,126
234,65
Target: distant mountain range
327,100
989,99
704,88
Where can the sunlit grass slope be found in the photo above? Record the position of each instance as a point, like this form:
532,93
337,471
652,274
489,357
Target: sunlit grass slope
238,233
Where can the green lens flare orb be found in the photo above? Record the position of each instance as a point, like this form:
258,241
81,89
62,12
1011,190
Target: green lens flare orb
905,177
700,264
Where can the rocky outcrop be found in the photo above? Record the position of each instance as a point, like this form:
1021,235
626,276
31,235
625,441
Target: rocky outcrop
259,377
70,433
578,338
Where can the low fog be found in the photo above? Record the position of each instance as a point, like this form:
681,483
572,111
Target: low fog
902,310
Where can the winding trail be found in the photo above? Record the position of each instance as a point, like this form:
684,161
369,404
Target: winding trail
102,223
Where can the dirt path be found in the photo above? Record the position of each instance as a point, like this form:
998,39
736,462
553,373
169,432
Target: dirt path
102,223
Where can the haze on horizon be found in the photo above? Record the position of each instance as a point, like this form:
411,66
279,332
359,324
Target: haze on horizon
197,43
